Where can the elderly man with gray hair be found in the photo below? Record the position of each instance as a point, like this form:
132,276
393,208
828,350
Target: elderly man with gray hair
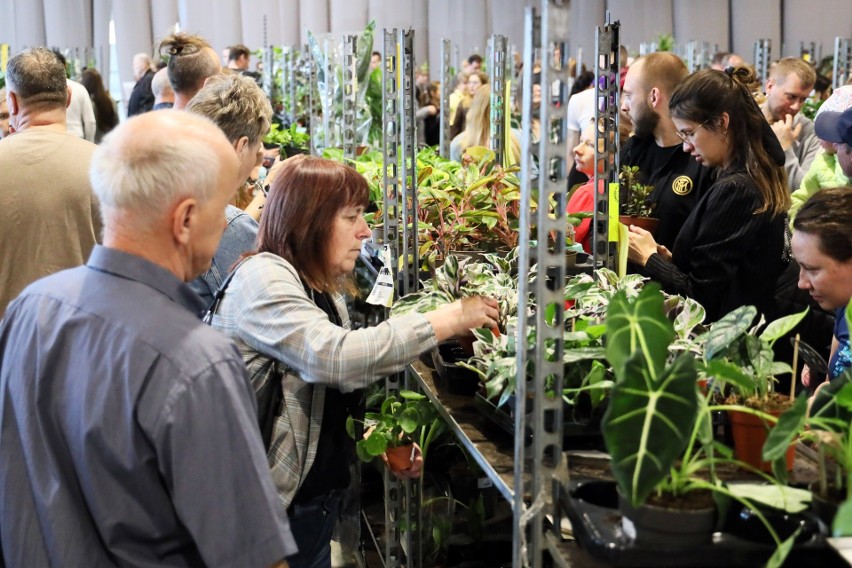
128,428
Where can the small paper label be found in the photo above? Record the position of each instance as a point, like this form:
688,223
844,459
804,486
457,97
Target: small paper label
382,292
483,483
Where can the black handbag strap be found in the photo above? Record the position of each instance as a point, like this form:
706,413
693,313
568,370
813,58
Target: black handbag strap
220,293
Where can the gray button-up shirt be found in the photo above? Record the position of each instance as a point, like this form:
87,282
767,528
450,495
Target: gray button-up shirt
128,429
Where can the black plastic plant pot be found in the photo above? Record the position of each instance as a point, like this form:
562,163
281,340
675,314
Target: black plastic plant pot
288,151
745,524
667,528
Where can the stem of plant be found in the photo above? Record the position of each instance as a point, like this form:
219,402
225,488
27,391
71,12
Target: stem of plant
795,366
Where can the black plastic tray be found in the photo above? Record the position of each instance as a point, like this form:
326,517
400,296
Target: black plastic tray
575,435
597,528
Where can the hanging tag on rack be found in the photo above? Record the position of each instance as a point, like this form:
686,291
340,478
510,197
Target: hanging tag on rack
382,292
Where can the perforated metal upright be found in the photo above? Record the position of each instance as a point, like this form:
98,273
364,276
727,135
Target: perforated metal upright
349,89
842,68
291,63
311,65
762,58
497,48
606,139
447,85
392,214
534,477
694,56
268,58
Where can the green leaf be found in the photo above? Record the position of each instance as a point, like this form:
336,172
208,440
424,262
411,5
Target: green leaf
780,555
726,330
842,525
639,327
782,326
350,427
789,425
648,421
361,451
375,444
730,373
409,419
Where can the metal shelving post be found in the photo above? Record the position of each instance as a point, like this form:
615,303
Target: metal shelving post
606,140
842,68
392,214
497,48
350,88
529,542
762,58
447,85
311,65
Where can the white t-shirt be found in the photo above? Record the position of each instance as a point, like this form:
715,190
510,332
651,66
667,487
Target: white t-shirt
581,110
80,115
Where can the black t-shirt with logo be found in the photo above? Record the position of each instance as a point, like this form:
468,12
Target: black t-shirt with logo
679,182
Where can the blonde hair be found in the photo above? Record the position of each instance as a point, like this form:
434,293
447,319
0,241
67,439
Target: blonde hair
477,131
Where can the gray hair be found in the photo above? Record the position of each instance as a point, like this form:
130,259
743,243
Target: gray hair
160,83
142,171
237,104
37,77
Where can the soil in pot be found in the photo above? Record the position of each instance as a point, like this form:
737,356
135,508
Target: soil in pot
671,522
399,457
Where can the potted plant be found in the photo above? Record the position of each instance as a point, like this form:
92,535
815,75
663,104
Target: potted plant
738,354
393,430
658,431
635,209
291,141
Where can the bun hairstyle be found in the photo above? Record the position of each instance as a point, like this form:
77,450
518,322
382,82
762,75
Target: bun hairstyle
705,96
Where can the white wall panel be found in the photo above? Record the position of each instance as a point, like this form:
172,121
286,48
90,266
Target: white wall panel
641,21
289,18
348,16
803,22
754,20
68,23
702,21
164,16
586,15
313,17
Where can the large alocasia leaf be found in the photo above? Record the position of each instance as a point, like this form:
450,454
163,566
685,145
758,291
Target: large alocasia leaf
638,327
648,422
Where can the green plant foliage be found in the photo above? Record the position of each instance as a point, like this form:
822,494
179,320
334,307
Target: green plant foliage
399,421
635,193
653,406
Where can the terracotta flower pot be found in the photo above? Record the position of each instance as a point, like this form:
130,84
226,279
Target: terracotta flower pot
647,223
750,434
399,457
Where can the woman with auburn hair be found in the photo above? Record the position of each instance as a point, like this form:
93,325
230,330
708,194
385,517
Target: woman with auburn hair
732,247
284,309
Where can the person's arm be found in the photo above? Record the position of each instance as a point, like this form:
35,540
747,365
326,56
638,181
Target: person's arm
727,227
203,453
799,154
275,316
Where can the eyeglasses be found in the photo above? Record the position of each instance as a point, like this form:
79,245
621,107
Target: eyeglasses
690,134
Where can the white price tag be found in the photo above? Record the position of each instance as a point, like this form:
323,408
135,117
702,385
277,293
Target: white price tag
382,292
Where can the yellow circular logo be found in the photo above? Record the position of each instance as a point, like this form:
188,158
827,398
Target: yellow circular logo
682,185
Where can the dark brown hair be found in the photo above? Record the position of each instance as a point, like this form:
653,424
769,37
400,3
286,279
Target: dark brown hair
189,64
105,116
704,96
299,215
828,215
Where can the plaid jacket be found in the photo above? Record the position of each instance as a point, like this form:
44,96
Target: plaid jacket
269,315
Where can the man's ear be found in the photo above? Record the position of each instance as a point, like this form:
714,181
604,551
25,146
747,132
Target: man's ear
654,97
12,101
770,82
241,144
183,219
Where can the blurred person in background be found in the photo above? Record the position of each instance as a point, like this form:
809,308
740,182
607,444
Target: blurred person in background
106,114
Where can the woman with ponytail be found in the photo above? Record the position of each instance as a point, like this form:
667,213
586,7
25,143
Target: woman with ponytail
733,246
